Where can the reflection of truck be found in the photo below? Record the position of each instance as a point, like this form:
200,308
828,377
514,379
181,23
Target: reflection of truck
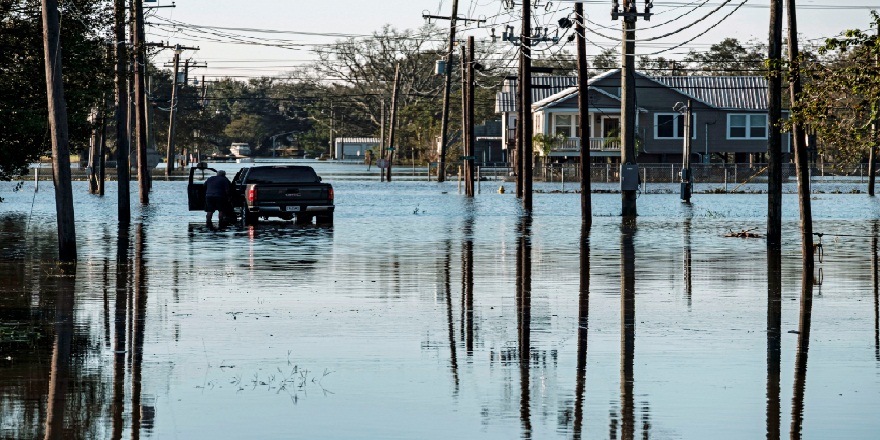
282,191
240,149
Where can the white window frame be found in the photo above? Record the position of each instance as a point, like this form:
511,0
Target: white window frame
748,126
675,135
573,127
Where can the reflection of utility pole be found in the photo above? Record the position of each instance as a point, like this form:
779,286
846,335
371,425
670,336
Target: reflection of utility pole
629,172
774,341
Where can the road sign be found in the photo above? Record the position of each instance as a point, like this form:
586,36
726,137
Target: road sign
467,157
390,148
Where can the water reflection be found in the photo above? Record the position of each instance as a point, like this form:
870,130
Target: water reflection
627,330
774,341
582,331
64,285
447,290
139,316
803,348
875,281
467,282
688,278
524,318
123,245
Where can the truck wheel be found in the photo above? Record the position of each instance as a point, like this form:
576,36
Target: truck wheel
303,219
325,219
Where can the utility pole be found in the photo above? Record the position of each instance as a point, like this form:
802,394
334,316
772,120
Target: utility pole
800,142
469,144
123,167
393,121
170,153
525,148
686,182
139,45
382,140
583,115
872,157
58,126
518,159
774,142
629,169
444,124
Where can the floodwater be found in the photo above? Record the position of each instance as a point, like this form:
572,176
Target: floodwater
423,315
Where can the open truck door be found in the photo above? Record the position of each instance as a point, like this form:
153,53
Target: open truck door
195,190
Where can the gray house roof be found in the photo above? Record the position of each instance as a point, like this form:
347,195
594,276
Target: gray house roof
542,87
723,92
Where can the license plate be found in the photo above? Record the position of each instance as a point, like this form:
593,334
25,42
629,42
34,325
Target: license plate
291,208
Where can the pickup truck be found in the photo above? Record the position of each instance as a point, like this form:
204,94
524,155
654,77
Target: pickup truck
282,191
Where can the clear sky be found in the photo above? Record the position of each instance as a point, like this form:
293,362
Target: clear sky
320,22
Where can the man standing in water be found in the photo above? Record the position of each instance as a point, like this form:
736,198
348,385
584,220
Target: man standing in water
217,190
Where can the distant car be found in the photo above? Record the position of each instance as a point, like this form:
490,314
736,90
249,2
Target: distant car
283,191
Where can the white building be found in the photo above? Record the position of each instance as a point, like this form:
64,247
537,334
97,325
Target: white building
355,147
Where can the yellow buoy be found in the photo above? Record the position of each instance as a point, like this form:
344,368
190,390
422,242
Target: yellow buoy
501,189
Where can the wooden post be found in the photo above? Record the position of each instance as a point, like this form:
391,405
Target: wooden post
628,106
393,119
447,83
169,152
800,142
774,141
140,108
470,150
58,131
526,98
583,116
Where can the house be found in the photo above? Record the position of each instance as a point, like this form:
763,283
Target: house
355,147
729,118
505,101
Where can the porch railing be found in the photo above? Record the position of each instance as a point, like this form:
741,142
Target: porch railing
596,144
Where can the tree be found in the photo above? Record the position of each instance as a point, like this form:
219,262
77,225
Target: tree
608,59
728,58
23,112
661,66
841,95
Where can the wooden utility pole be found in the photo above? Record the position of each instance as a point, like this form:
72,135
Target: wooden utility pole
686,180
518,158
872,155
447,83
800,141
583,115
382,143
629,168
393,121
169,152
93,152
462,170
58,132
525,148
140,104
774,141
470,150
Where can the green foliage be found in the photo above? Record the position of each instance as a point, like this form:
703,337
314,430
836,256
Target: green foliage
24,130
547,142
728,58
608,59
841,93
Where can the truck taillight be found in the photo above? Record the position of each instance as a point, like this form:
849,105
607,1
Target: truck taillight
331,193
252,195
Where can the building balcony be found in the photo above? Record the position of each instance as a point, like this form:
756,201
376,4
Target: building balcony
596,144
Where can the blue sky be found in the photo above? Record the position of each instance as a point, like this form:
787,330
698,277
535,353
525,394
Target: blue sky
324,21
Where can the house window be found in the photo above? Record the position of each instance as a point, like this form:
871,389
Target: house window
566,125
671,126
747,126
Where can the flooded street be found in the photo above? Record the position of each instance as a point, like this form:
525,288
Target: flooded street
422,314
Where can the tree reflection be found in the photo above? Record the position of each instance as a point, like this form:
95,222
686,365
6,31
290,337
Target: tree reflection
139,323
119,325
774,341
875,278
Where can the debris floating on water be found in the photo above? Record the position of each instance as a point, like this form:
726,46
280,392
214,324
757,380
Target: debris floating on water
745,233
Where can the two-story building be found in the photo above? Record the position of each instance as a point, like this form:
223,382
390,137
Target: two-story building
729,118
